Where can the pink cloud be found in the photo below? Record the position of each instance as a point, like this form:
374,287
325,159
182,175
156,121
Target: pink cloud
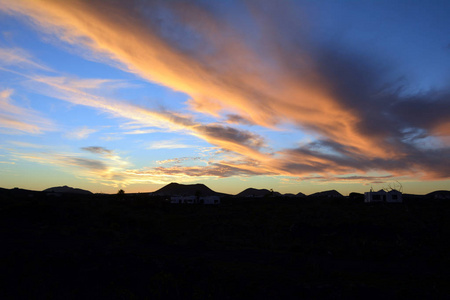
269,81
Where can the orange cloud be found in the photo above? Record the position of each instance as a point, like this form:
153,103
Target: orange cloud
232,77
189,50
226,137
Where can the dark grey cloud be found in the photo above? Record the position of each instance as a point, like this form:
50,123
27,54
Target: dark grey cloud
334,158
387,112
91,164
427,111
230,134
97,150
237,119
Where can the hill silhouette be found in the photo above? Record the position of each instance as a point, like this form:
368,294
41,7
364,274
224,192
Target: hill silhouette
327,194
67,190
177,189
441,194
252,192
17,192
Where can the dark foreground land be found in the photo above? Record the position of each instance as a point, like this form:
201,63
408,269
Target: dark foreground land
139,247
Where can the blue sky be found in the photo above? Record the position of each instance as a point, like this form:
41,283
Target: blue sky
301,96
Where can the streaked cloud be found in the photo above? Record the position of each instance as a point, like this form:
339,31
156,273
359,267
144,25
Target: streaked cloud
111,137
227,137
349,178
168,144
20,58
97,150
216,170
108,169
141,131
177,160
15,119
361,120
237,119
91,164
26,145
80,133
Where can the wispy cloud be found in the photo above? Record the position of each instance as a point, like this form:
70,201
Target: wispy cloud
111,137
362,121
26,145
215,170
18,119
168,144
109,169
349,178
18,57
178,160
97,150
141,131
227,137
80,133
106,153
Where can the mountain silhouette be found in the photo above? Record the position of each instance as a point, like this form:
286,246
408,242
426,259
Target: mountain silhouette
67,190
327,194
289,195
257,193
439,194
176,189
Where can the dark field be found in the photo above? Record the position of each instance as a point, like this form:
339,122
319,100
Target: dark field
141,247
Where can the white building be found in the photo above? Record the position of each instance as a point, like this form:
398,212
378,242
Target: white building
393,196
195,200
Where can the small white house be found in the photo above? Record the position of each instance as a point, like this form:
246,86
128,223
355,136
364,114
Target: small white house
393,196
195,200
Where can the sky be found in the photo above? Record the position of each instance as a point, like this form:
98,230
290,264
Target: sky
294,96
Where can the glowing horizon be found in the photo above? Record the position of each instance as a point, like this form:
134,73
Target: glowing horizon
297,97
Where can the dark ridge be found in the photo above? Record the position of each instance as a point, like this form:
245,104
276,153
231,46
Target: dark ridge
176,189
66,190
17,192
442,194
252,192
327,194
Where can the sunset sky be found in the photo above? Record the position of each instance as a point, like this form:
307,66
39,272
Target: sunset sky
296,96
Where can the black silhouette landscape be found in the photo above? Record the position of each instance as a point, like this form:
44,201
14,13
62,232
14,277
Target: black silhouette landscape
69,243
